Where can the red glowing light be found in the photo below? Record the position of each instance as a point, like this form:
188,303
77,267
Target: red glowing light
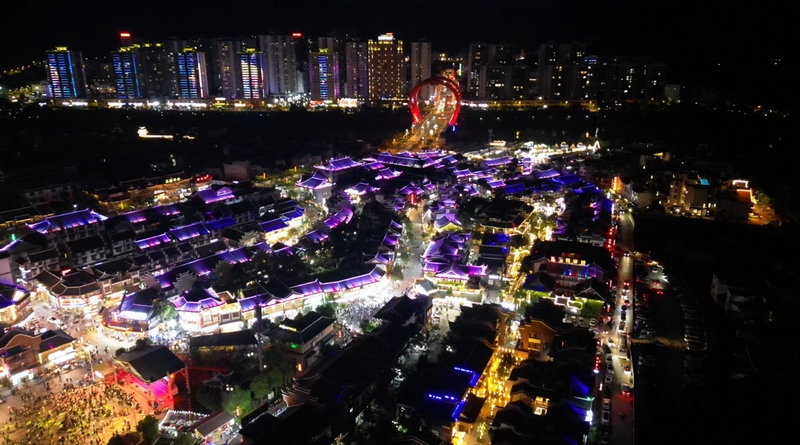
297,35
124,34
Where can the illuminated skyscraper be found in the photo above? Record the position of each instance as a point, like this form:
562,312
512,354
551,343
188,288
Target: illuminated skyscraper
282,67
420,65
356,82
126,73
66,77
385,67
192,74
323,70
253,74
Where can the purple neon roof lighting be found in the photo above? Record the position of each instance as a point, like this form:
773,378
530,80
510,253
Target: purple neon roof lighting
341,217
70,220
152,241
168,210
135,217
316,236
316,182
210,195
273,225
359,189
197,300
497,162
339,164
387,174
188,232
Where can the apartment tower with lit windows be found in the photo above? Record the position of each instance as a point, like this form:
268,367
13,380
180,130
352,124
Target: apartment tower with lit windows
66,77
192,74
253,74
385,57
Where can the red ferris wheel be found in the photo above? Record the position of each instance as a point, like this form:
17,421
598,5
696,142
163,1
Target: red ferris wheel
450,84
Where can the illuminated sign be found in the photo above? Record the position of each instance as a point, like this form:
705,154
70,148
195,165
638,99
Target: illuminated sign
297,35
386,37
124,34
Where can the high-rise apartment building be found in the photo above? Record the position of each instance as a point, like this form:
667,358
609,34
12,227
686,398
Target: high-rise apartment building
126,73
282,67
253,74
224,67
66,78
385,67
141,71
356,71
561,69
420,67
479,54
192,74
629,79
323,70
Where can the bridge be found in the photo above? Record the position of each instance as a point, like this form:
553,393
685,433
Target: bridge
436,115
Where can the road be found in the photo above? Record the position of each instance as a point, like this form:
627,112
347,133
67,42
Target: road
622,427
437,118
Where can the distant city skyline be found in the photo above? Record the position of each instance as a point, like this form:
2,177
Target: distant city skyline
623,27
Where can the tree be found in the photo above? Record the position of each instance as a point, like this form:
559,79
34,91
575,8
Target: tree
166,310
237,402
278,365
185,438
261,386
209,398
592,308
327,310
116,439
367,325
119,352
148,428
397,273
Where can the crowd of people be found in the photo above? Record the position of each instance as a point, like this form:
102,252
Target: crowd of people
76,413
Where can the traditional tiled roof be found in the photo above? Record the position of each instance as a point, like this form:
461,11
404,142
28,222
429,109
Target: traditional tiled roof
191,231
150,363
315,182
339,164
70,220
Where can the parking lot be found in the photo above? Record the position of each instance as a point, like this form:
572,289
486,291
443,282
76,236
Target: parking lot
668,352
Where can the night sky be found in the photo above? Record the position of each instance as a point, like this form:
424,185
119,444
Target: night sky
689,35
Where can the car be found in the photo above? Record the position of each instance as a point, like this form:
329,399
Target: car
593,322
606,405
609,379
609,358
606,418
606,393
626,368
54,320
626,390
627,253
622,316
610,367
